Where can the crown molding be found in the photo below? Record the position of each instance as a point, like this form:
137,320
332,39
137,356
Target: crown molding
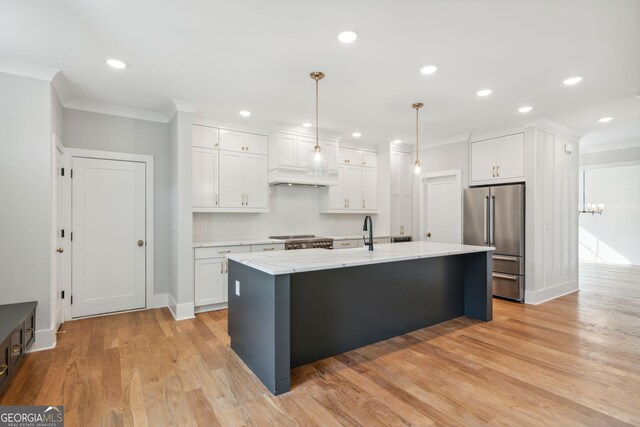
114,110
463,137
182,106
25,69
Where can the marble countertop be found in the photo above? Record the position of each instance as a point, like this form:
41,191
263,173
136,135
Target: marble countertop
356,236
236,243
287,262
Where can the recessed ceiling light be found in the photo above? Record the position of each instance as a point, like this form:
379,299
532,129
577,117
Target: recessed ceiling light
397,141
307,124
605,119
525,109
245,113
484,92
428,69
356,134
116,63
572,81
347,37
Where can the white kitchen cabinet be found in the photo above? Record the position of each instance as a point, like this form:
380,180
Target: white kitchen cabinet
243,181
211,269
370,188
231,140
268,247
204,136
357,189
205,178
291,151
401,192
305,145
497,160
284,151
369,159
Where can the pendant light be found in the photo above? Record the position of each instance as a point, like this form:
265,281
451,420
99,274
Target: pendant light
417,168
316,160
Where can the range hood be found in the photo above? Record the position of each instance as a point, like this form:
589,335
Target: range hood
298,177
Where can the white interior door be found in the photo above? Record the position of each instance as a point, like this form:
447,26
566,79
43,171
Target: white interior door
109,238
442,208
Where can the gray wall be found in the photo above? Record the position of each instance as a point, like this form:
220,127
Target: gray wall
104,132
610,156
25,193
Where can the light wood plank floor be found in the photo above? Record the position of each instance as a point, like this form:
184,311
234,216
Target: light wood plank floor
571,361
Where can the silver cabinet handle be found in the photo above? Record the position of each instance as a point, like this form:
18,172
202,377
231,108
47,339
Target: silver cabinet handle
221,267
498,171
224,252
268,249
247,200
216,199
505,276
493,173
345,244
505,258
348,203
345,203
364,204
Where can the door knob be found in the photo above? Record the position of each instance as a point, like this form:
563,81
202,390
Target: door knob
428,234
141,243
60,250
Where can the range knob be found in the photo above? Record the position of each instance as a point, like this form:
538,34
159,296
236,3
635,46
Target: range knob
304,246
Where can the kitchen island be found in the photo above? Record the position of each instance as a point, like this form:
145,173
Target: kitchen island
290,308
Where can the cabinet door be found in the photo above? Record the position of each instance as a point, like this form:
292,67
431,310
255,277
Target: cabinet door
483,160
405,214
285,151
256,185
510,154
231,140
205,178
348,244
349,156
5,355
330,149
255,144
305,145
406,175
369,188
204,136
396,170
210,283
353,186
369,159
231,180
337,193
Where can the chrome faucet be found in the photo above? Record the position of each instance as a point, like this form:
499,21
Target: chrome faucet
370,228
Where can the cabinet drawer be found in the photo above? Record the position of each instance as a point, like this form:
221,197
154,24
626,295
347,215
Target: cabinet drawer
268,248
17,347
369,159
379,240
5,355
346,244
508,264
220,251
30,329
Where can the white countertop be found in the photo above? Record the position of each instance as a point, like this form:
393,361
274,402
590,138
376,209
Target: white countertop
356,236
236,243
287,262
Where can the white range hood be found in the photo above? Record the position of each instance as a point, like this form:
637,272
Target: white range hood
284,177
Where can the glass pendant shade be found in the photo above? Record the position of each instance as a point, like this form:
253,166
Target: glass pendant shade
316,160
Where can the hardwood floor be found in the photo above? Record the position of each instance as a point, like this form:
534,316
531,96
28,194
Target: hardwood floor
571,361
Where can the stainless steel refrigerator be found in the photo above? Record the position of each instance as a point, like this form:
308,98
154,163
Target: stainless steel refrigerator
494,216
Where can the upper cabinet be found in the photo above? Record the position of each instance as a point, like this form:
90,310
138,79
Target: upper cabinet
497,160
229,171
357,189
291,151
401,169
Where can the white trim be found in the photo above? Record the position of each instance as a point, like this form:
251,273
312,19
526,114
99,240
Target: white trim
24,69
609,165
45,339
211,307
424,178
158,301
57,146
544,295
181,311
180,105
623,144
455,139
114,110
149,163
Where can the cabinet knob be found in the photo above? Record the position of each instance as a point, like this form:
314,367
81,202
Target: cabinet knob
60,250
140,243
428,234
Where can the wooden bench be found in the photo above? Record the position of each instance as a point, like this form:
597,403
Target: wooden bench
17,334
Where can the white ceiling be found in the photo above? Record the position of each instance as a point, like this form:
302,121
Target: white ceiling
257,55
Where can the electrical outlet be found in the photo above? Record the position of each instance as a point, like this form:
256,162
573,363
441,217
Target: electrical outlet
237,288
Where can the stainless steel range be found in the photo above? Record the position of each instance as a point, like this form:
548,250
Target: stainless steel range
305,241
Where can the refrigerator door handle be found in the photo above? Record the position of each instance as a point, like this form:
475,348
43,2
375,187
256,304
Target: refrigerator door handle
504,276
492,221
505,258
484,229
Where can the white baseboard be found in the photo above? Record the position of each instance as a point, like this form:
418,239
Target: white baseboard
544,295
158,301
212,307
181,311
45,340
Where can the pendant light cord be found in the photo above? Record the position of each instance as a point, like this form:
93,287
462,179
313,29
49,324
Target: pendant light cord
417,158
317,148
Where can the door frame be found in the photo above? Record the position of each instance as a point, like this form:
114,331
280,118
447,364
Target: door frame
70,153
58,194
424,179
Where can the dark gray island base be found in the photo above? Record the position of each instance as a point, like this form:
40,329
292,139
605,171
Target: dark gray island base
281,321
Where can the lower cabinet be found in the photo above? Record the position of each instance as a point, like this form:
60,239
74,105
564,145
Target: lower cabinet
348,243
17,334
